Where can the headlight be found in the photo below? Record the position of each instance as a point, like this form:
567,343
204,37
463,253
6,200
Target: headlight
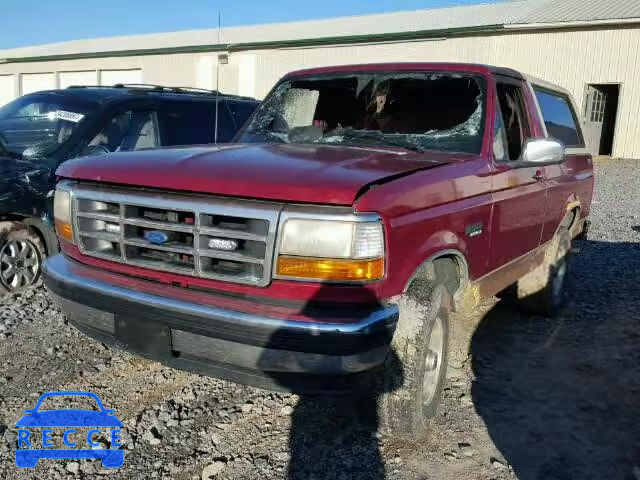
332,250
62,213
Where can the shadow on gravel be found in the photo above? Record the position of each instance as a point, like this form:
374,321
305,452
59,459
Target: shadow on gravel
561,397
332,436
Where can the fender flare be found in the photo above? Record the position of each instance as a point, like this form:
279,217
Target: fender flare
45,232
427,268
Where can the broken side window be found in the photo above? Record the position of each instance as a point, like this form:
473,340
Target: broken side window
514,117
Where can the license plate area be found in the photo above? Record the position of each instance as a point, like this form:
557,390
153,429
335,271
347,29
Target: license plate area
144,337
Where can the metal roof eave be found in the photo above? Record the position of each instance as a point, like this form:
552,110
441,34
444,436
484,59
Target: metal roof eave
439,34
573,24
279,44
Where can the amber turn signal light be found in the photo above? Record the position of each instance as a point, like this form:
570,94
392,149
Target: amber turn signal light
64,230
330,269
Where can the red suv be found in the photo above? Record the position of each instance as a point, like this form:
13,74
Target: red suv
325,250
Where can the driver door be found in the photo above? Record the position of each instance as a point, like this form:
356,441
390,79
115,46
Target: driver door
519,192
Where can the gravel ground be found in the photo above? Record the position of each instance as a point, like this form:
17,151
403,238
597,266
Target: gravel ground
526,397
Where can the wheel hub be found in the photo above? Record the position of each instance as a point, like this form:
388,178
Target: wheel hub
432,363
19,264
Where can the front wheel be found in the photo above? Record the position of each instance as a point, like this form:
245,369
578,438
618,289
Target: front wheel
417,365
21,254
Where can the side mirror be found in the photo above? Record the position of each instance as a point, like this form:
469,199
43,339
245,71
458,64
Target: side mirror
543,151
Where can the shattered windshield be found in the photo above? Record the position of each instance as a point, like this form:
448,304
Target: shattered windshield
35,125
417,111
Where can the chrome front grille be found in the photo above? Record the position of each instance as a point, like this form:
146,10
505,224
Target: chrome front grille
222,239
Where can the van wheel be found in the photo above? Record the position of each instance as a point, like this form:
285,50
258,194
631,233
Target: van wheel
417,364
21,254
542,291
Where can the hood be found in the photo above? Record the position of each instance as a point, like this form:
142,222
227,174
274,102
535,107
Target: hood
295,173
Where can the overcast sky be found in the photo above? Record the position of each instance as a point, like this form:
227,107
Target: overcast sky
32,22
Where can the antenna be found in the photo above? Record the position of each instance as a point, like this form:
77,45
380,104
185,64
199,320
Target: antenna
215,135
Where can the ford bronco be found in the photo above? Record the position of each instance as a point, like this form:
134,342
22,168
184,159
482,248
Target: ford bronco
324,252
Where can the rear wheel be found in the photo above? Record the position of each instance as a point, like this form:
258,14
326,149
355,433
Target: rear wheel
543,290
417,366
21,254
584,234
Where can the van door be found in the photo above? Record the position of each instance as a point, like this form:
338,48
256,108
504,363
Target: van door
519,192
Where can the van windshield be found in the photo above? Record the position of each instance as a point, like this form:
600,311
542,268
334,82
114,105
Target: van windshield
417,111
35,125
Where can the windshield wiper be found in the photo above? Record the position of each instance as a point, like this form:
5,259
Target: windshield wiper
379,137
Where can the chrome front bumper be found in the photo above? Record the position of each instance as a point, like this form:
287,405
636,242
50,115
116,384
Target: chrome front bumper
243,347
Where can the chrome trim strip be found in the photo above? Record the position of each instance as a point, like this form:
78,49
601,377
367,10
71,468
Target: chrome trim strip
216,232
233,256
577,151
157,225
163,248
60,269
99,216
584,176
108,236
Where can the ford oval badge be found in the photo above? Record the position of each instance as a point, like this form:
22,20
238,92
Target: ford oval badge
156,237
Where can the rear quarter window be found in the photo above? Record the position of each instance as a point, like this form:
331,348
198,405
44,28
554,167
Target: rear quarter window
559,117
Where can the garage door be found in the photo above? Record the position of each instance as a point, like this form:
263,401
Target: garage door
35,82
111,77
68,79
7,89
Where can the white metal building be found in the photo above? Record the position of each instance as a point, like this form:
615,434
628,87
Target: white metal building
588,46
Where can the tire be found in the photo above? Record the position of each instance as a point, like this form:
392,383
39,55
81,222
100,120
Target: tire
543,290
416,368
21,255
584,234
